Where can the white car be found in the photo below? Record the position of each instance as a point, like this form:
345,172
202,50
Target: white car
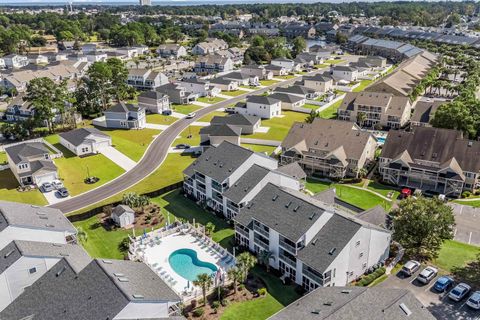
57,184
410,267
190,115
427,275
459,292
474,300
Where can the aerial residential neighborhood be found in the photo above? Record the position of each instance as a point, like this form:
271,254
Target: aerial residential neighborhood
250,161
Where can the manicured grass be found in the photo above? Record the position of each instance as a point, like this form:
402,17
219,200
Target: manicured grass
210,100
132,143
259,148
279,296
194,131
279,127
209,116
248,87
474,203
286,77
333,61
160,119
384,190
73,170
310,106
378,280
317,186
331,112
363,85
8,191
267,82
233,93
3,158
185,108
455,254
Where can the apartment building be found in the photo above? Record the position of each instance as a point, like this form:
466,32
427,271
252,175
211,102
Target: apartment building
373,109
213,64
299,30
171,50
311,243
228,176
146,79
424,110
431,159
209,46
331,148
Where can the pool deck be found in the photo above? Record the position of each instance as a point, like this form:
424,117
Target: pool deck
156,254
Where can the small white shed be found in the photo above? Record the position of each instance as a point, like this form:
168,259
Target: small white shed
123,216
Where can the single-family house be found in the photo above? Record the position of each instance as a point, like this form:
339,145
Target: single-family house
30,163
84,141
248,124
209,46
154,102
213,64
288,64
299,90
345,73
243,79
321,83
200,87
277,70
289,101
260,106
256,70
177,93
125,116
224,84
215,134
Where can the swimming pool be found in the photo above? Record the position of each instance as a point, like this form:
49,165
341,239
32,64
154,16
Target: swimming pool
186,264
381,140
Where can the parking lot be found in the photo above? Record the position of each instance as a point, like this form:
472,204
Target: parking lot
438,304
467,229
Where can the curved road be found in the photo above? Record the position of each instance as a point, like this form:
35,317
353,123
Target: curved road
153,157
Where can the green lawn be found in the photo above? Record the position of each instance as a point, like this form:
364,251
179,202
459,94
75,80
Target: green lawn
160,119
73,170
455,254
3,158
363,85
233,93
474,203
194,131
259,148
333,61
279,127
286,77
8,190
248,87
210,100
331,112
209,116
279,296
185,108
132,143
310,106
268,82
384,190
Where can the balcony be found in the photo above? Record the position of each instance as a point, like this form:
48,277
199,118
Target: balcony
217,187
189,182
313,276
200,178
257,240
217,198
287,260
201,189
262,231
287,247
232,207
242,232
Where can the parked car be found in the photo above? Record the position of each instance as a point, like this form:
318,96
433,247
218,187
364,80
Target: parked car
474,300
57,184
191,115
167,112
459,292
63,192
427,275
47,187
182,146
230,110
443,284
405,193
410,267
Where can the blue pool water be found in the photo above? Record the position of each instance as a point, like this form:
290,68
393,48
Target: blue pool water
381,140
186,263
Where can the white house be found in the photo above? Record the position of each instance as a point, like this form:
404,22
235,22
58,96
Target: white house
260,106
201,88
289,101
154,101
15,61
125,116
345,73
228,176
85,141
95,56
288,64
171,50
312,243
123,216
31,163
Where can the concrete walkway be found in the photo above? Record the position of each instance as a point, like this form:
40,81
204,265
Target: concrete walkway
224,96
202,104
178,115
119,158
201,124
156,126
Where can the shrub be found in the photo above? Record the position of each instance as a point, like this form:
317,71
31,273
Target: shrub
262,291
241,287
224,302
198,312
477,192
215,304
366,280
193,304
466,194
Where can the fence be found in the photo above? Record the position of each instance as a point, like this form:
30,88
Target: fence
92,212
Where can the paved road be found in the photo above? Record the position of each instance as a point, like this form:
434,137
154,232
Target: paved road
154,156
467,227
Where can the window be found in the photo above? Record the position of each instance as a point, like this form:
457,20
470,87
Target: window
32,270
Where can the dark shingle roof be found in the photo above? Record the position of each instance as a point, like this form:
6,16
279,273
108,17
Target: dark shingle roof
270,208
123,107
245,183
293,170
77,136
220,162
152,95
327,244
376,216
236,119
221,130
23,151
284,97
424,110
262,100
352,303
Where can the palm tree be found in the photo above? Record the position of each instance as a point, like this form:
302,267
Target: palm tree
311,117
205,282
246,261
81,235
235,274
361,118
264,257
209,227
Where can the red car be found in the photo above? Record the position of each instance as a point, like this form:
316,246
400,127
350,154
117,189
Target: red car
406,193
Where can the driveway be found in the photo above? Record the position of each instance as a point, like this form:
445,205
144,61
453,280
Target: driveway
119,158
53,198
467,221
438,304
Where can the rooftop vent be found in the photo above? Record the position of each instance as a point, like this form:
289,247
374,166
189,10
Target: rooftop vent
314,241
249,205
312,216
275,197
470,143
123,279
405,309
49,225
288,204
138,296
316,311
61,271
119,275
296,208
63,254
9,253
332,251
328,303
107,261
346,291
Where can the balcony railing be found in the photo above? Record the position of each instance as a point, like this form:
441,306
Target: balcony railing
313,277
286,259
261,243
201,189
232,207
262,231
242,232
287,247
199,178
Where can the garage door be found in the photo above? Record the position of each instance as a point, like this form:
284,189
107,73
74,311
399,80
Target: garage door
102,144
39,180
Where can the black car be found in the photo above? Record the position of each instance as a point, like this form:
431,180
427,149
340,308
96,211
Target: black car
182,146
63,192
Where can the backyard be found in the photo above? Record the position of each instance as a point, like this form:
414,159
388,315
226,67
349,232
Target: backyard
8,190
160,119
185,108
268,82
331,112
259,148
279,126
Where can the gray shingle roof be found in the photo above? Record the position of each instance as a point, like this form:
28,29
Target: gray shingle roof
220,162
23,151
262,100
284,97
295,90
77,137
25,215
235,119
123,107
376,216
327,244
293,170
121,209
152,95
8,256
245,183
270,208
352,303
221,130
